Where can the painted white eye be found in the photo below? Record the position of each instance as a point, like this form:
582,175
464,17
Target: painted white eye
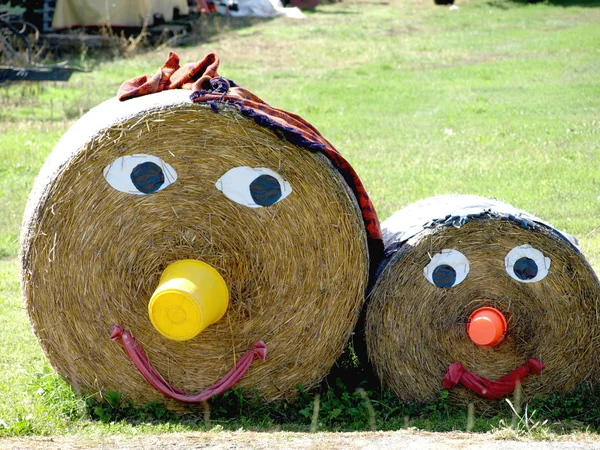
447,268
253,187
139,174
526,264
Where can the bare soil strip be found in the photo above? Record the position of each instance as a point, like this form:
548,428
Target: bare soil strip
404,439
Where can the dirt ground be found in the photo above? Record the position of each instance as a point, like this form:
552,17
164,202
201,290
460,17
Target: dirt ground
405,439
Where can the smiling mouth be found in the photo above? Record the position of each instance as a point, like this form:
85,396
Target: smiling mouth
137,355
492,390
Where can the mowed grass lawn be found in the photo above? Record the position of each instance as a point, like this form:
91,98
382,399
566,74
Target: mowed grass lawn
497,98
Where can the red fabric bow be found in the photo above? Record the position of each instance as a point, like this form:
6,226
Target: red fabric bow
140,360
493,390
192,76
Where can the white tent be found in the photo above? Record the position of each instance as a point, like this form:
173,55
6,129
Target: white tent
116,13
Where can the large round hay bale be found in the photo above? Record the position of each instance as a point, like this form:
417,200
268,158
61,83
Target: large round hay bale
97,237
447,257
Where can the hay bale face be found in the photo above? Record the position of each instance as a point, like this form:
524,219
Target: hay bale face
136,186
487,286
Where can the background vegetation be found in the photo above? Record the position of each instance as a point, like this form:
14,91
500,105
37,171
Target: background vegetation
497,98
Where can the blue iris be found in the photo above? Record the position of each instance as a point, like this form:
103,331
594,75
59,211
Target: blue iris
147,177
265,190
525,268
444,276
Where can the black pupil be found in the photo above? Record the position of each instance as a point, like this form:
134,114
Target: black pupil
265,190
444,276
525,268
147,177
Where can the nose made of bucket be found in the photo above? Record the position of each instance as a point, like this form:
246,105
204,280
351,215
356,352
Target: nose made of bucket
191,295
486,327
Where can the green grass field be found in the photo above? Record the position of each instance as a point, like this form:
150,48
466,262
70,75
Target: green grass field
498,98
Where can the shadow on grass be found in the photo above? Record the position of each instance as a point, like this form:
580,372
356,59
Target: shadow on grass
502,4
211,27
331,13
337,409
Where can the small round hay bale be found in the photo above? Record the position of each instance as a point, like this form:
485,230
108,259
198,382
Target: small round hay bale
417,314
93,252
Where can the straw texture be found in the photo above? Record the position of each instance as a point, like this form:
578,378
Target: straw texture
92,256
415,330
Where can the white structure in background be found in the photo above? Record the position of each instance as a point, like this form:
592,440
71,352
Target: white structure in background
116,13
258,8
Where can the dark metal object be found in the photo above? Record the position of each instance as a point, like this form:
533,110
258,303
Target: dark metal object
8,74
17,39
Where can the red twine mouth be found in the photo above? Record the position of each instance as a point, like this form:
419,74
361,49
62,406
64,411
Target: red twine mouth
140,360
492,390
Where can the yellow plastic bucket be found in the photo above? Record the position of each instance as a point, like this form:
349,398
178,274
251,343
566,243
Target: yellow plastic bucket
191,295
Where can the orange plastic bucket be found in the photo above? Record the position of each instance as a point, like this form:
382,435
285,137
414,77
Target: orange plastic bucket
486,327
